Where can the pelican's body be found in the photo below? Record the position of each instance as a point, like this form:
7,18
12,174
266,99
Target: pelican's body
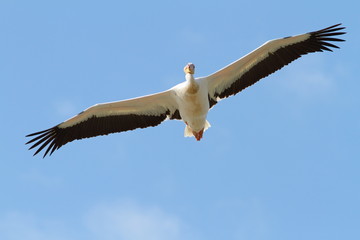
193,102
189,101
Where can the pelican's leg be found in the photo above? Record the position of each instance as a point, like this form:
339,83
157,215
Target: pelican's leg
198,135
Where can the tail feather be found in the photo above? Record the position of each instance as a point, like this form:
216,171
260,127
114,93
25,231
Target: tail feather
207,125
189,132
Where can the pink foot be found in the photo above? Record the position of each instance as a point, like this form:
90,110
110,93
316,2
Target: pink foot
198,135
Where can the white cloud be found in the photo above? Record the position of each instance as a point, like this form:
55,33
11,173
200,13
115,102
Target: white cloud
308,84
35,176
191,37
65,108
121,221
129,221
15,226
308,80
254,222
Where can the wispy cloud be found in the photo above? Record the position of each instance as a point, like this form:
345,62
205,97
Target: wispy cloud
253,223
191,37
65,108
133,222
308,79
120,221
14,226
35,176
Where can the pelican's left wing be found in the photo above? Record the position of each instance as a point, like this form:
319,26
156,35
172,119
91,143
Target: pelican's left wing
267,59
102,119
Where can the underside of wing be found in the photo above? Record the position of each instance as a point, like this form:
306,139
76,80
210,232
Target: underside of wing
268,58
103,119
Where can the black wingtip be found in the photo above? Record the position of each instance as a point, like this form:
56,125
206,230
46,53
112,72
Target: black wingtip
42,139
36,133
332,29
323,37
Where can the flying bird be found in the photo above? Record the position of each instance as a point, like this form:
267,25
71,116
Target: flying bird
190,100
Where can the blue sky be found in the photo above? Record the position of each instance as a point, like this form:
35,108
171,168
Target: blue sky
281,160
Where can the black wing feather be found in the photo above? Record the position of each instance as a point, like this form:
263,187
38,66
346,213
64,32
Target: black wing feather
317,42
55,137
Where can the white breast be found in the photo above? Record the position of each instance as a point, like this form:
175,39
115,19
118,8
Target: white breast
193,107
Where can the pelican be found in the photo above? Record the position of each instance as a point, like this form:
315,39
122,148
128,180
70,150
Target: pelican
188,101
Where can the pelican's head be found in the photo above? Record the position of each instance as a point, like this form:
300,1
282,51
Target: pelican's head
189,68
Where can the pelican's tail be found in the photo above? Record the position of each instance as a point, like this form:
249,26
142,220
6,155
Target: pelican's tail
189,132
207,125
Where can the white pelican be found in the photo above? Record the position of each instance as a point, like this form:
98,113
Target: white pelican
189,101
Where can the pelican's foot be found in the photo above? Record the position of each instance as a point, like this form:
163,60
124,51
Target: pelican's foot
198,135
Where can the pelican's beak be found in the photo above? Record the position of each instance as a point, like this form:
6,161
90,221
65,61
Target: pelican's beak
188,69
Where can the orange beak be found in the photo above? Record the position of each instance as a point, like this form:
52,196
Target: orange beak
187,69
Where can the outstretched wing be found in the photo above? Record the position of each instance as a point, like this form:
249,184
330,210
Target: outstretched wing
267,59
102,119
